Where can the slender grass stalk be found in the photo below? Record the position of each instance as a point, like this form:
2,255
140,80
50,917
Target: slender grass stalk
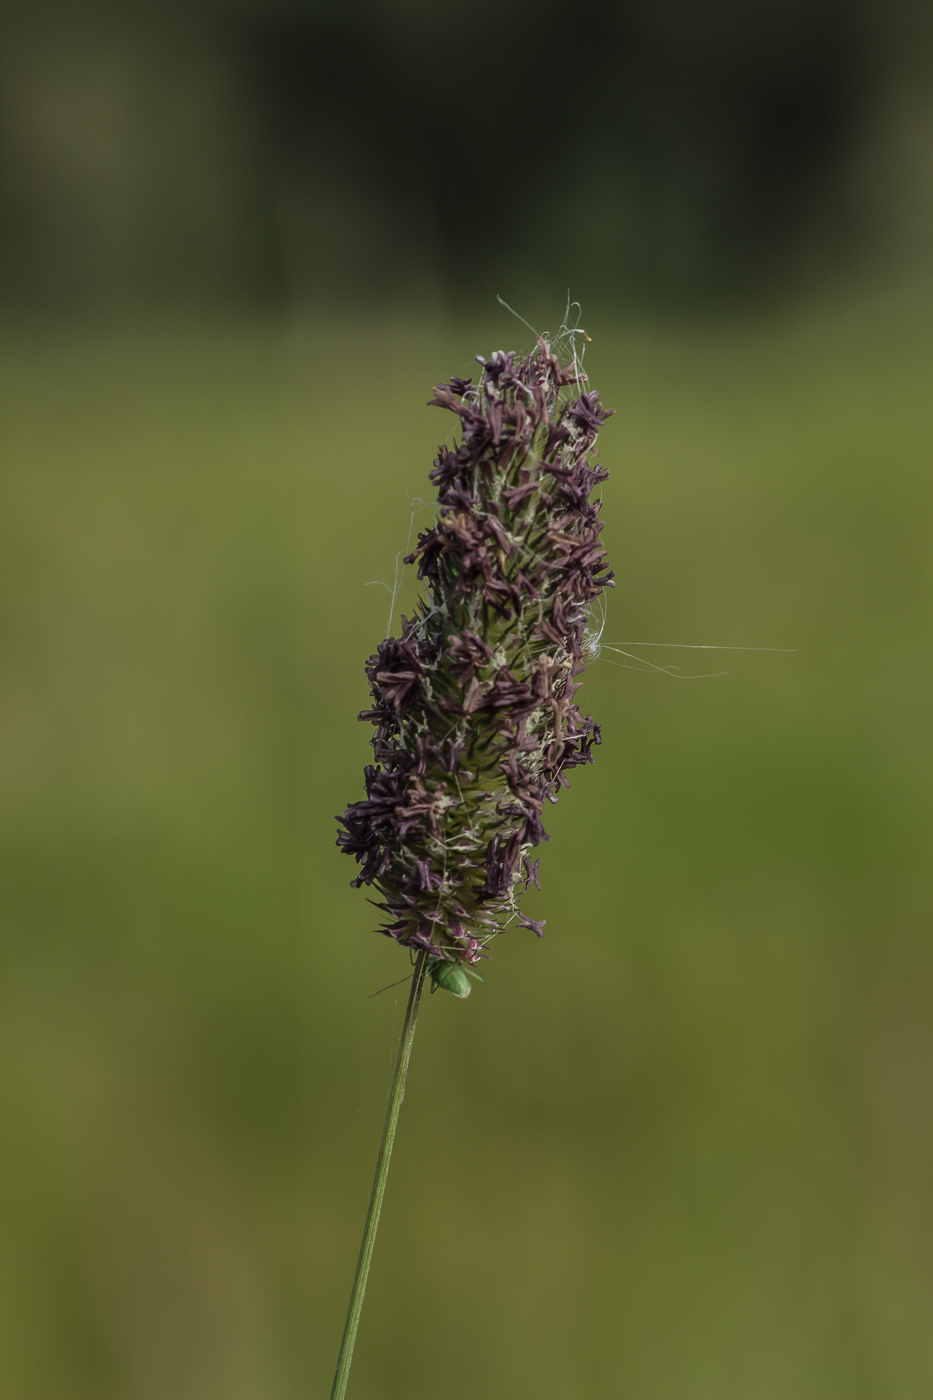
476,726
396,1095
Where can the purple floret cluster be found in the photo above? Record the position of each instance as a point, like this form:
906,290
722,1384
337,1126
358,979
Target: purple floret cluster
475,721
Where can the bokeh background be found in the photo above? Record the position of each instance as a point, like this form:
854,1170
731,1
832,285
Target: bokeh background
682,1148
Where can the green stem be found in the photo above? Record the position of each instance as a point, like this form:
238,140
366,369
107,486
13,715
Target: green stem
396,1095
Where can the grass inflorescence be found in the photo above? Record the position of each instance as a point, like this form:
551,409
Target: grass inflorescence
473,705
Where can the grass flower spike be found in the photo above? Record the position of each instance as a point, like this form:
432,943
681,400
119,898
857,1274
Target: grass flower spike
473,705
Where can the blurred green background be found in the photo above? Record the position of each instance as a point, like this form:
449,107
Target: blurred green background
682,1148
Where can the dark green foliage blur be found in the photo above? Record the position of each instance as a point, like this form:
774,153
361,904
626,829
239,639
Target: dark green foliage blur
358,154
679,1148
